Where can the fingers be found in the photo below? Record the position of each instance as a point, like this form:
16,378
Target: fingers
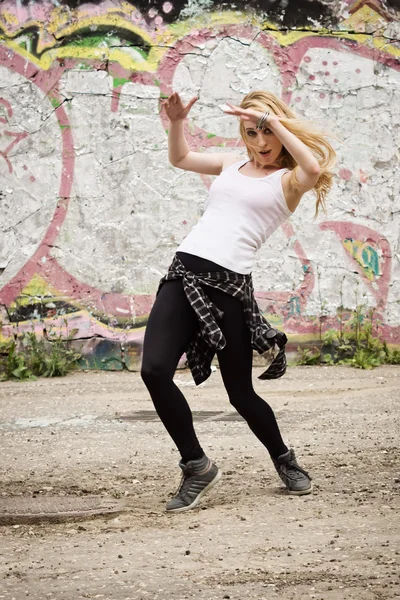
170,104
190,103
232,109
233,106
173,98
227,109
237,109
244,114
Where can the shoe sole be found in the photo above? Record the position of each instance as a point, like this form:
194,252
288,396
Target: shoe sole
199,497
301,492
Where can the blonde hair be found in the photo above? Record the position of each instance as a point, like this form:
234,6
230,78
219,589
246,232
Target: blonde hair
313,138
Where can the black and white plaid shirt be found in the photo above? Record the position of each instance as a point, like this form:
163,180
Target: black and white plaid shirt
209,338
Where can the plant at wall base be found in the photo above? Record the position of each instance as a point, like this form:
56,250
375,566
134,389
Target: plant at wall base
13,363
363,359
50,355
353,344
356,346
392,356
308,356
28,356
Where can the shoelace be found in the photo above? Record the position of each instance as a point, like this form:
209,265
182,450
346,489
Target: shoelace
183,485
294,471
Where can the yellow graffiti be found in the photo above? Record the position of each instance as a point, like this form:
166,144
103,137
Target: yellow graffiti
366,256
125,18
39,291
35,291
364,14
60,21
68,322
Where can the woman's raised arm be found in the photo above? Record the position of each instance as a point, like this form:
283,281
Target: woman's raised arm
179,153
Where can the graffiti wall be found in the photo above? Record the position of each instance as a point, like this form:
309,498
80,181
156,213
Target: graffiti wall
90,209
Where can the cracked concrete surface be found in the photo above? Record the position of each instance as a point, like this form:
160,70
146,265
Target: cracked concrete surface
163,214
91,208
67,437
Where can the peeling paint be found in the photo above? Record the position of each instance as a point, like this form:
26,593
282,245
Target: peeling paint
91,209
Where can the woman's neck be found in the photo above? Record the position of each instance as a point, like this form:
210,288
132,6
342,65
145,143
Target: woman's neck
264,168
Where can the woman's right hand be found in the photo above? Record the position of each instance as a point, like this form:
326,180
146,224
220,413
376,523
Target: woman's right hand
175,109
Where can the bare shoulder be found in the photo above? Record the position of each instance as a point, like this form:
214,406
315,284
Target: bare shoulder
231,158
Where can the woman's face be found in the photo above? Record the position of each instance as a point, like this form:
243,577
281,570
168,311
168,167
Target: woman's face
264,145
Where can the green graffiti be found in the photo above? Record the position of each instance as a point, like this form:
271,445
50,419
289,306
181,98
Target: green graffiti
55,102
93,41
294,306
365,255
371,261
118,81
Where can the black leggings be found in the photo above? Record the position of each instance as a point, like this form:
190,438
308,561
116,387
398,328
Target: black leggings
171,325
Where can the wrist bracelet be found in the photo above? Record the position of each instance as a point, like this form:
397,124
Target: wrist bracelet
262,120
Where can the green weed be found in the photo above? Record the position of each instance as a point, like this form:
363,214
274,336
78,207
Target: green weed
353,344
28,356
308,356
13,363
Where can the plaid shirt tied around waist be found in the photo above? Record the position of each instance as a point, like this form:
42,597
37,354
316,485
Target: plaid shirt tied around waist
209,338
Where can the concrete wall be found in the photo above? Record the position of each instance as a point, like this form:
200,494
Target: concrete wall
90,209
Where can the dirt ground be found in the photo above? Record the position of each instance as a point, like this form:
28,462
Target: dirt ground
96,434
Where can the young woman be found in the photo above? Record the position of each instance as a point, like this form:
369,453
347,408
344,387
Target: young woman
205,303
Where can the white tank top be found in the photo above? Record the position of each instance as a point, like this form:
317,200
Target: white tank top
240,215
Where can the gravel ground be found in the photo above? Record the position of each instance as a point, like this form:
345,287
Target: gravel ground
96,434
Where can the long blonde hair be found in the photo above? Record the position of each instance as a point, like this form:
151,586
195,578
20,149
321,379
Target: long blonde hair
304,131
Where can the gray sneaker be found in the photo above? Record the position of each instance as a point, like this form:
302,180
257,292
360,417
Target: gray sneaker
296,479
198,477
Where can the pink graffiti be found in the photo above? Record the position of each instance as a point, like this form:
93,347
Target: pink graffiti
42,262
345,174
288,61
22,15
38,13
86,326
17,136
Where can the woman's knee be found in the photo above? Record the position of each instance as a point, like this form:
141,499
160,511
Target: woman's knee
239,399
154,373
247,402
